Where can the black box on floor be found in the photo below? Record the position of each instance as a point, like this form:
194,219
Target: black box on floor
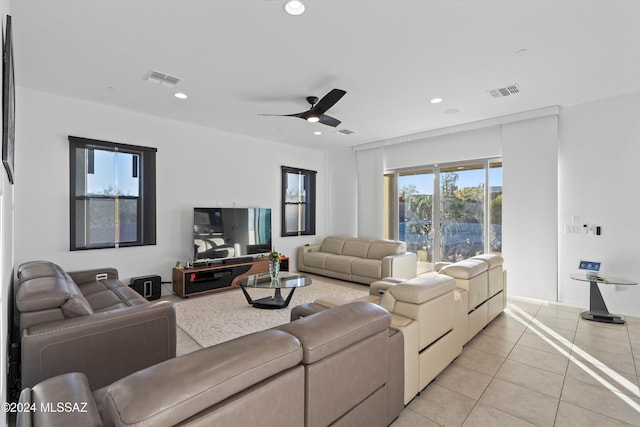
147,286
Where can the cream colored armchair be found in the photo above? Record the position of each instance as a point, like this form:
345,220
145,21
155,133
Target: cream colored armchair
431,318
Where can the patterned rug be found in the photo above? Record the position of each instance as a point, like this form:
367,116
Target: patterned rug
216,318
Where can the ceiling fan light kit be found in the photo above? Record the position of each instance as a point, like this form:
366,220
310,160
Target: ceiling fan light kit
316,114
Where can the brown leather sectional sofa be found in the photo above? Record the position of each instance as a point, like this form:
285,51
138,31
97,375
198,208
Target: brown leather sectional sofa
88,321
340,367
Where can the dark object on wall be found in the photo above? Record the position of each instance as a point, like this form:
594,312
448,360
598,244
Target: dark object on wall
227,233
8,103
147,286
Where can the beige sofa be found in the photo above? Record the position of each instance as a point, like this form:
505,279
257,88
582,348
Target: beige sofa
358,259
88,321
438,313
340,367
481,282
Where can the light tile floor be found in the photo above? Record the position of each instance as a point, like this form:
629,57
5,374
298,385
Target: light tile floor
537,364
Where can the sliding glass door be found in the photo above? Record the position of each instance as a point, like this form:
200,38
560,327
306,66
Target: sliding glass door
415,213
461,212
446,212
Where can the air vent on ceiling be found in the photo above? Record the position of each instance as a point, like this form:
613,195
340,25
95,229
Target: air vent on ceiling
159,78
345,131
504,91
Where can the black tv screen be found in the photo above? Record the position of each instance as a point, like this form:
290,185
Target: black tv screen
220,233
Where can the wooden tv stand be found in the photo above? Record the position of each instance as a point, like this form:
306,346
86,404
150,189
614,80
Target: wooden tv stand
215,278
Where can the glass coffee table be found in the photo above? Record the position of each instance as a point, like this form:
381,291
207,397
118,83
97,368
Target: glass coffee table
598,311
285,280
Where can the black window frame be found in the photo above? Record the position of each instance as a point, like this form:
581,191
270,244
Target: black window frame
309,218
146,221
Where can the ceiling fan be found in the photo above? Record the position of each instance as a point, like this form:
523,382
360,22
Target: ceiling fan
316,114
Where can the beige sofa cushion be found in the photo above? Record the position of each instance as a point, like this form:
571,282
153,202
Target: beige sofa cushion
465,269
333,245
339,263
423,288
492,260
315,259
356,247
379,249
366,268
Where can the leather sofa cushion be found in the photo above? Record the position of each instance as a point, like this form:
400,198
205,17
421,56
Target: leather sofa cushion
366,267
356,247
34,269
492,260
315,259
328,332
339,263
423,288
382,248
465,269
239,364
387,301
332,245
44,293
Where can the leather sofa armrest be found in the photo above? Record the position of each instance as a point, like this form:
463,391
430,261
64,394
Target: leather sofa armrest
62,401
402,266
172,391
303,250
105,346
86,276
379,287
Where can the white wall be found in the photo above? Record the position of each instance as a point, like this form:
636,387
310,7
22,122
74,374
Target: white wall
599,152
343,206
196,166
530,207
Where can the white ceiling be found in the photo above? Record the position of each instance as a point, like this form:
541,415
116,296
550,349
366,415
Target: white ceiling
239,58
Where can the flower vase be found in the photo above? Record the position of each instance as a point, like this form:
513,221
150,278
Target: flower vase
274,269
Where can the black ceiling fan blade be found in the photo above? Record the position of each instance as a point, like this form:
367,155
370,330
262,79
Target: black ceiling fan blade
329,121
328,101
302,115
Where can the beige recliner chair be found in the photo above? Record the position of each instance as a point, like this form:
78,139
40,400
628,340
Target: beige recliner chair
430,316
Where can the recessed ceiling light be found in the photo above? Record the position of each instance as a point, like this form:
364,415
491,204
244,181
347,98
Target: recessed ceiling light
436,100
452,111
180,95
317,132
294,7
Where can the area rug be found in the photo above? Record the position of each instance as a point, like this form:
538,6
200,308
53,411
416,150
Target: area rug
219,317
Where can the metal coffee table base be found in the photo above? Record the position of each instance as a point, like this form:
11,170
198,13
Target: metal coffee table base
274,302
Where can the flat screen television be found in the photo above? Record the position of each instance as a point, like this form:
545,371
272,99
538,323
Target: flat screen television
225,233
